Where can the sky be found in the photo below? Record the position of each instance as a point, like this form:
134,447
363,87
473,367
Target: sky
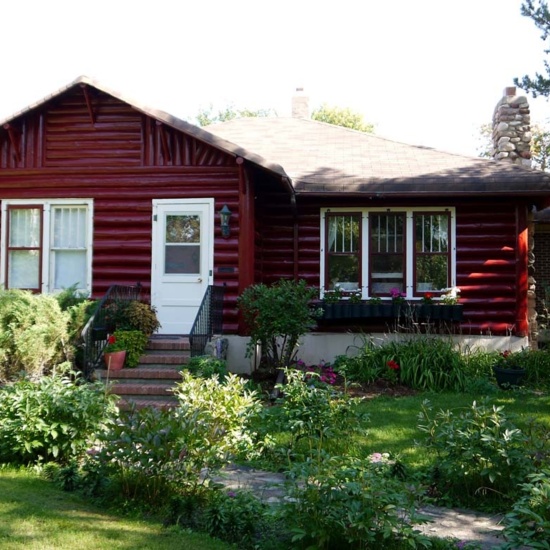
425,72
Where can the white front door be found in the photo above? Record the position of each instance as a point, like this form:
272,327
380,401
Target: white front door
183,257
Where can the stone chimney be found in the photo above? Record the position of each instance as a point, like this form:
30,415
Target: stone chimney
300,104
512,129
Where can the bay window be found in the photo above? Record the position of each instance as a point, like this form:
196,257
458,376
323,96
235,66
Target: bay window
46,245
379,251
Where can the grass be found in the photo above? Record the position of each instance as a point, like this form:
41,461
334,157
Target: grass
38,516
392,425
393,421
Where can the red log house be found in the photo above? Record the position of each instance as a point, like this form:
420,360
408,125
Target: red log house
97,189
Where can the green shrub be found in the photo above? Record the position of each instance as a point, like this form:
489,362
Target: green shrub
314,413
205,366
52,419
235,517
221,415
528,524
277,316
480,452
131,315
148,455
33,334
134,343
345,503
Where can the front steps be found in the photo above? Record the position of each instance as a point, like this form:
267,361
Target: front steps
151,382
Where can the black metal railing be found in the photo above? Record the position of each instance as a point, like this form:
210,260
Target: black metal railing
209,320
102,322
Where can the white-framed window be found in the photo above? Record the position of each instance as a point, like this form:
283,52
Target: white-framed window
46,245
380,250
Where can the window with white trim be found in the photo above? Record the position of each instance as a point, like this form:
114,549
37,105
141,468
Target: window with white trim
46,245
378,250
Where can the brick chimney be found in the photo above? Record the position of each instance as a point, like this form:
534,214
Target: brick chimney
512,129
300,104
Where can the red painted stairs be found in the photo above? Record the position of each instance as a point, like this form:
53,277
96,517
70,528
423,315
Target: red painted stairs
151,382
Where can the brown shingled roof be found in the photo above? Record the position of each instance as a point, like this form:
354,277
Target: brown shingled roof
323,158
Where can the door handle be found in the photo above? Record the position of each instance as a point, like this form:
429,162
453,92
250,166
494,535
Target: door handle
199,280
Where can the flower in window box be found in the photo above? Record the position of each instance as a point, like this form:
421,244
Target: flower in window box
397,295
450,296
428,298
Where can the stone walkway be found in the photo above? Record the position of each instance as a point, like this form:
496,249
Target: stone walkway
463,525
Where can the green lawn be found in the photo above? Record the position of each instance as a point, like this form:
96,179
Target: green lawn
392,425
38,516
393,421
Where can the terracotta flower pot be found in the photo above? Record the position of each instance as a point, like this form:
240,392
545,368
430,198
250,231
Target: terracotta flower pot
114,360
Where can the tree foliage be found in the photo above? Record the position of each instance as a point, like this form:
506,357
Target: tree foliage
208,116
540,145
538,11
342,116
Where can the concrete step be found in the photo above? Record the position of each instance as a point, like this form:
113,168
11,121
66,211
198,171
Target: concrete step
151,382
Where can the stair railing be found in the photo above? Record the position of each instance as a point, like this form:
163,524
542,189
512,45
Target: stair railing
209,320
101,324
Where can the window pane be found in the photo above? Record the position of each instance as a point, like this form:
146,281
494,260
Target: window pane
23,270
432,232
183,229
387,272
69,269
24,227
343,233
184,259
69,227
432,272
387,231
343,270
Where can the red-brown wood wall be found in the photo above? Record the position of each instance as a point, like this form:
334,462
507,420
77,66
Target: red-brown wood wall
487,257
101,148
123,160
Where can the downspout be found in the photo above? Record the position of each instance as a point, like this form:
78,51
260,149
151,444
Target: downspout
295,235
246,235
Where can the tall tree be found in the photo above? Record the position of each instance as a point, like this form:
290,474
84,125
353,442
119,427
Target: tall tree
342,116
538,11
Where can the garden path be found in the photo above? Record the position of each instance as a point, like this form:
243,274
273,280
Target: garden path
463,525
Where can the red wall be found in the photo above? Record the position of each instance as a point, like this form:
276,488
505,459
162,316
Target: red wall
123,160
487,255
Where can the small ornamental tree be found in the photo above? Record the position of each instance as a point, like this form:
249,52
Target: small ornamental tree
277,316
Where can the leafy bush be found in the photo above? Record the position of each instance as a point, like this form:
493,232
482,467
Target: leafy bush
149,455
480,452
134,343
235,517
33,334
528,524
345,503
131,315
220,414
205,366
52,419
277,316
314,412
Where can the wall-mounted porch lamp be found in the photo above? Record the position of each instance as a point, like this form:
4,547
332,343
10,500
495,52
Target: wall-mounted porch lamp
225,214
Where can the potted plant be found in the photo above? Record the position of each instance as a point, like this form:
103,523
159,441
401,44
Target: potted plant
114,353
134,343
508,372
